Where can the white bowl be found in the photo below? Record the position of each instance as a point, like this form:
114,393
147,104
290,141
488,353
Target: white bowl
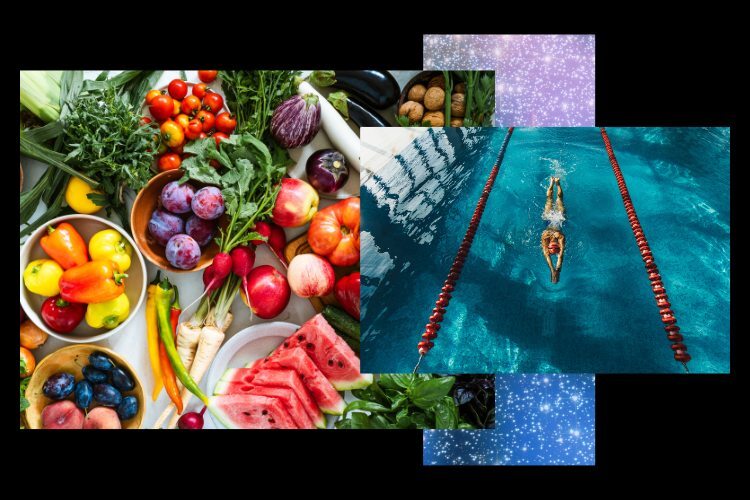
87,226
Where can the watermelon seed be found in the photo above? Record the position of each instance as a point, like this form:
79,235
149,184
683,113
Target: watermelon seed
246,413
330,362
310,345
286,344
341,365
264,412
300,337
270,420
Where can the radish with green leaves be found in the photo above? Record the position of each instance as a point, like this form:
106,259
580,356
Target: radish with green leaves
243,260
275,238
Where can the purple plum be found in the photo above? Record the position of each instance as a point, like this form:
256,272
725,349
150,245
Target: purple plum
163,225
208,203
183,251
201,230
177,197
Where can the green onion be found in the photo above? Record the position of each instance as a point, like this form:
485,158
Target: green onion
40,93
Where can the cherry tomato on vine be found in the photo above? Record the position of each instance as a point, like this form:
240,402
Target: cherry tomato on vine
225,122
203,135
207,76
161,107
191,105
151,95
177,149
213,102
206,118
194,129
183,120
145,120
169,161
199,90
219,136
172,134
177,106
177,89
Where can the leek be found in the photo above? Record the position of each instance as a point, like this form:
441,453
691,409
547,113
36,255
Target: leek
40,94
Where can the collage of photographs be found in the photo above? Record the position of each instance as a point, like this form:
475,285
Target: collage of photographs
456,249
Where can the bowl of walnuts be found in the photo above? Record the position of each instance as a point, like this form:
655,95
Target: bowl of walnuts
423,101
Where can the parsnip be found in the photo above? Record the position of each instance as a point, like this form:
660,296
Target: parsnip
187,343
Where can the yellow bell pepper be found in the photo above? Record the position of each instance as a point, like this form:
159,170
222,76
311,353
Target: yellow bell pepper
152,337
108,314
42,276
111,245
76,196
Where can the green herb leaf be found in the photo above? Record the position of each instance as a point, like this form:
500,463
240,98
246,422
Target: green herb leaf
339,100
446,414
396,380
365,406
427,393
322,78
360,421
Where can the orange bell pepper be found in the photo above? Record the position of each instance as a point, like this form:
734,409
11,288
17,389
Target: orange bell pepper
334,232
92,282
65,246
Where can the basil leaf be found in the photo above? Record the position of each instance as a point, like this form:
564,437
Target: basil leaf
365,406
380,422
419,420
403,421
446,414
405,380
360,421
343,424
427,393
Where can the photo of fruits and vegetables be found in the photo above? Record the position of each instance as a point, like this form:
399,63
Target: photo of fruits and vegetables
189,249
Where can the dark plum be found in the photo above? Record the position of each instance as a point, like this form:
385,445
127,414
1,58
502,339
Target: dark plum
183,251
201,230
107,395
101,361
59,385
128,408
208,203
83,394
121,380
93,375
177,197
163,225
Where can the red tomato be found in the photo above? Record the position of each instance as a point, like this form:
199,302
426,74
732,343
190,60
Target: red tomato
151,95
225,123
213,102
207,119
177,106
177,89
334,232
203,135
199,90
183,120
215,164
169,161
190,105
178,149
145,120
194,129
161,107
207,76
219,136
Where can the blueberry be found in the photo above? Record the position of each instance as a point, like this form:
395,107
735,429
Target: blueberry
107,395
83,394
101,361
93,375
59,386
122,380
128,408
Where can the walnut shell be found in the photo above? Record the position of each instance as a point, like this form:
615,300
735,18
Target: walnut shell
457,122
437,81
413,110
434,99
459,88
458,106
416,93
435,118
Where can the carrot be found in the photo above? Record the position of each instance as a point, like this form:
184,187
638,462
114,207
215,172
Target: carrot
168,376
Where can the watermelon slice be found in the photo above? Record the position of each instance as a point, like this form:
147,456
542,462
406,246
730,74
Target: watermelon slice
244,411
290,380
317,384
232,383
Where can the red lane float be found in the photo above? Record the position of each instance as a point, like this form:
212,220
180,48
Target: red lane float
660,294
438,313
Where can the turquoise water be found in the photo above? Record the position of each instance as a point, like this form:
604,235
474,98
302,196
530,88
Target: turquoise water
506,315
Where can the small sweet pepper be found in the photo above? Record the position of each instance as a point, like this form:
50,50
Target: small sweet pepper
41,276
108,314
65,245
111,245
92,282
346,292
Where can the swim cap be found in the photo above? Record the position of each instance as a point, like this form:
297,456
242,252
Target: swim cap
553,247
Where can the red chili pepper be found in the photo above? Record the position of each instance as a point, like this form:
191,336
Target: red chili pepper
65,246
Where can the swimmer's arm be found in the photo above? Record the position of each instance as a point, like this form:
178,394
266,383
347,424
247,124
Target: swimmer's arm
562,253
548,259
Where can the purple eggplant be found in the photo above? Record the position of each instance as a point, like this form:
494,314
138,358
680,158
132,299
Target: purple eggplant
327,171
296,121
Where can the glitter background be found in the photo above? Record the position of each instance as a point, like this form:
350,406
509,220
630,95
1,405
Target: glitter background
540,420
540,80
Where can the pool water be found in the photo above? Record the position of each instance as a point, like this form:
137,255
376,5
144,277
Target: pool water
505,314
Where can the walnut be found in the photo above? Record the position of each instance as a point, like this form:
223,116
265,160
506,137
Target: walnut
416,93
437,81
435,118
457,122
434,98
458,107
413,109
460,88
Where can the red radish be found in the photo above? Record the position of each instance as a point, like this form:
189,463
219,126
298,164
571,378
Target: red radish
243,260
268,292
310,276
219,269
275,236
191,420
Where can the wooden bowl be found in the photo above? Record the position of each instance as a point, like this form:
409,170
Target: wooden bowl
144,205
424,78
87,226
72,359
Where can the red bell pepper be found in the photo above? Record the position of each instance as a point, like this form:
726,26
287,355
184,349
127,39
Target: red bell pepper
62,316
334,232
95,281
65,246
346,292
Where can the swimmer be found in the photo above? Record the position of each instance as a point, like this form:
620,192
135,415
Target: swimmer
553,239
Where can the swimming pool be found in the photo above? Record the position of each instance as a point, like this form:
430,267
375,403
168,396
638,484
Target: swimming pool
505,314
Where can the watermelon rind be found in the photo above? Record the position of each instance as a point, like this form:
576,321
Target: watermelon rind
363,381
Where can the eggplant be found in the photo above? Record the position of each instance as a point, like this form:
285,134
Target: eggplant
296,121
377,89
327,171
363,116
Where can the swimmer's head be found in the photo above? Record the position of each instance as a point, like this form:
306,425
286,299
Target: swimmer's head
553,247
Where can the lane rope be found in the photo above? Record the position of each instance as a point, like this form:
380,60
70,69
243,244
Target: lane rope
438,312
657,286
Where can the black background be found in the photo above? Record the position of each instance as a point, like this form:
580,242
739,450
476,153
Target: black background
679,431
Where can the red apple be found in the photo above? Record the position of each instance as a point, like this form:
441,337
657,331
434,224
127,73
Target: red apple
268,290
310,275
296,203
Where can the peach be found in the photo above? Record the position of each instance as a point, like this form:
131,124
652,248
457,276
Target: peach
310,275
62,415
296,203
102,417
